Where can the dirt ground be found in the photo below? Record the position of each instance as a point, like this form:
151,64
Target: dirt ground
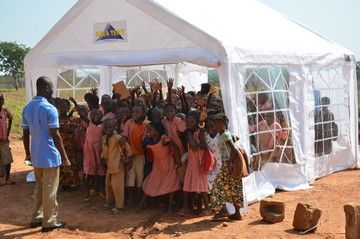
90,220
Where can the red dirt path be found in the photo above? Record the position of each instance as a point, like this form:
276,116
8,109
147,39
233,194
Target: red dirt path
90,220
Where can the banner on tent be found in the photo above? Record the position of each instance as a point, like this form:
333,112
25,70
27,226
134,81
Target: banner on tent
110,32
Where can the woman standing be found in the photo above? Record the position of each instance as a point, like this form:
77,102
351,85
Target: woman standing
227,186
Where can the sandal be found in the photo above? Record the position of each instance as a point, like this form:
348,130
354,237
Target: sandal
235,217
223,213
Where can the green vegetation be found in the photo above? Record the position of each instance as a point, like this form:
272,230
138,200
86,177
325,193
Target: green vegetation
12,57
15,102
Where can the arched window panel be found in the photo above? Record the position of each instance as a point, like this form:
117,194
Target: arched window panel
77,82
134,77
91,74
67,78
64,83
87,82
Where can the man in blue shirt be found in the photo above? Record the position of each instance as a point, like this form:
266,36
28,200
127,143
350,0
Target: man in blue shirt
40,120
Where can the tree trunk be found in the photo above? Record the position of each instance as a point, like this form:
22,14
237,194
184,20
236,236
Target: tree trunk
16,85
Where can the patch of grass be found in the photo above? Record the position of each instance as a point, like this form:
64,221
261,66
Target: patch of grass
15,102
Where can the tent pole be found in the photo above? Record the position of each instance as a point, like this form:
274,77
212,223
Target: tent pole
176,83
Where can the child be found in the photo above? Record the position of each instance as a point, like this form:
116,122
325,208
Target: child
68,125
134,131
163,178
93,169
116,155
268,140
107,107
226,188
6,158
122,115
155,115
104,99
195,180
80,136
212,137
174,126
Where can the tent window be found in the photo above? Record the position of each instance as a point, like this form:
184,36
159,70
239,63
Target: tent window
331,109
267,97
135,76
77,82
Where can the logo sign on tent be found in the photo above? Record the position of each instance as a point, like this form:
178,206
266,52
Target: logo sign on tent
110,32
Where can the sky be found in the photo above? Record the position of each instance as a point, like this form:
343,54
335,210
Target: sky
26,21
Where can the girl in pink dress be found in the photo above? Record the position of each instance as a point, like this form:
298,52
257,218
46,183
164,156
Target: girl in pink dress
174,125
195,180
93,168
163,178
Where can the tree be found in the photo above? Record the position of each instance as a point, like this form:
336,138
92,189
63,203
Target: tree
12,57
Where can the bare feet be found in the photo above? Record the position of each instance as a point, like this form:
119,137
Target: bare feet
205,212
10,182
183,211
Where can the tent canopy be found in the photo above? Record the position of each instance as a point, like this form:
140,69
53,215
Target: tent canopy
245,41
160,32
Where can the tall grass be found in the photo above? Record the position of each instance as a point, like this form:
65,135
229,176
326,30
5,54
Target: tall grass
15,102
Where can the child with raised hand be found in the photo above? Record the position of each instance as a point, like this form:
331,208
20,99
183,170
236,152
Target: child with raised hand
196,181
227,186
93,169
134,132
163,178
116,154
6,158
92,103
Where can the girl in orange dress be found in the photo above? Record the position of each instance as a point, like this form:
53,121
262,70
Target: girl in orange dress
163,178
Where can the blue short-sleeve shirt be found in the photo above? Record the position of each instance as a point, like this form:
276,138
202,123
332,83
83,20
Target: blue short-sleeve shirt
39,116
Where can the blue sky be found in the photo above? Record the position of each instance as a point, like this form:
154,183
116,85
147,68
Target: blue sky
26,21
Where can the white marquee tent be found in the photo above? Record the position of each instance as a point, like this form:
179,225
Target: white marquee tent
255,51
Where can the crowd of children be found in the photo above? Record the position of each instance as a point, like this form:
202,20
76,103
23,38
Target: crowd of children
132,150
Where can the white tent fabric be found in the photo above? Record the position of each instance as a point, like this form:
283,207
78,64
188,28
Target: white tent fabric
238,39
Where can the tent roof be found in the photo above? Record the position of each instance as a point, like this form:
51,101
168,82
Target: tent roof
171,31
251,26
